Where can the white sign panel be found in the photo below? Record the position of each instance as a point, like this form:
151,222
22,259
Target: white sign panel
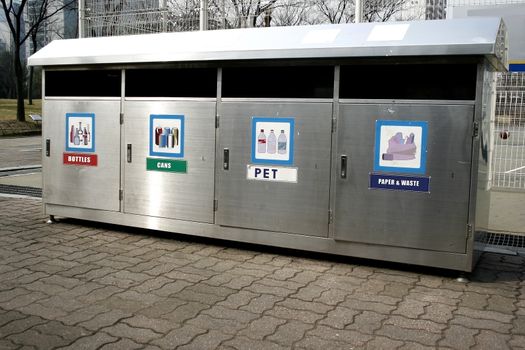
272,140
271,173
388,32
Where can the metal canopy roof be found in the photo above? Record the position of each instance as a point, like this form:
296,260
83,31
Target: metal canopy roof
470,36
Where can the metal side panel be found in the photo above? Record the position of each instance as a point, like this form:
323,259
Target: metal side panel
85,186
186,195
296,207
435,220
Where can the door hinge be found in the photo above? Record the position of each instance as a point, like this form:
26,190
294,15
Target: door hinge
469,231
334,124
215,204
121,118
120,195
475,129
217,121
330,216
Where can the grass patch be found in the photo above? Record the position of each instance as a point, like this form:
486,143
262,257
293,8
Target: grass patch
8,109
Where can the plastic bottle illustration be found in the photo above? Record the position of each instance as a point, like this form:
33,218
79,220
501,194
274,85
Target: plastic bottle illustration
261,142
272,142
76,139
281,143
72,134
85,137
88,134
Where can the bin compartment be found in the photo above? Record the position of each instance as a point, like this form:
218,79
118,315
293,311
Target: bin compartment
172,176
433,218
83,165
251,193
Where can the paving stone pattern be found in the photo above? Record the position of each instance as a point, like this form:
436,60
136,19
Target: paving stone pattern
80,285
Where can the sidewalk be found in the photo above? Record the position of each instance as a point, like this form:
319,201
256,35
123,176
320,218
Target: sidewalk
82,285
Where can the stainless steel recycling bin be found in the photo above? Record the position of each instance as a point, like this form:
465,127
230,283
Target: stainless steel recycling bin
367,140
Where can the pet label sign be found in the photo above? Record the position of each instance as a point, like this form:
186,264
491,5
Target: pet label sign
271,173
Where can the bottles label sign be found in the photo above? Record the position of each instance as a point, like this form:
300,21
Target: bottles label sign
271,173
167,165
272,141
80,159
80,132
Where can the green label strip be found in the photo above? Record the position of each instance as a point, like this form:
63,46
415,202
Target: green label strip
167,165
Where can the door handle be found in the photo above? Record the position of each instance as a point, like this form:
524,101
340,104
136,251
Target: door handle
226,159
48,147
344,165
129,156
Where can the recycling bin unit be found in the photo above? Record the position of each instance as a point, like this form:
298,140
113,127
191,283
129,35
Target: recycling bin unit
367,140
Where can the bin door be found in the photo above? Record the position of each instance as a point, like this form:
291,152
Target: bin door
403,175
82,168
169,163
273,166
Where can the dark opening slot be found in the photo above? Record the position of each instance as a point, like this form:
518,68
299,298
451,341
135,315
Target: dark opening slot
278,82
91,83
179,82
409,81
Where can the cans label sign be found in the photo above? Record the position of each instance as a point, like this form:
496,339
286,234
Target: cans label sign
271,173
166,165
80,159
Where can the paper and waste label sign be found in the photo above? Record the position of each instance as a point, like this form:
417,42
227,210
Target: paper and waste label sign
399,182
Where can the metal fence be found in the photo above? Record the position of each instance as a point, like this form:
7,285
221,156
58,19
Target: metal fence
508,162
126,17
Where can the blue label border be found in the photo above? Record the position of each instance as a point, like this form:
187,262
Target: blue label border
290,121
151,138
93,133
377,150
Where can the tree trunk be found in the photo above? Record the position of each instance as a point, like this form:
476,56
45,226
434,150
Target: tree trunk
30,87
19,73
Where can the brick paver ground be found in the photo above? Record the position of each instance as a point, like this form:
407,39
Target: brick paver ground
78,285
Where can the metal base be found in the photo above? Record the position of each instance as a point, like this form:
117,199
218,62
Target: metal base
446,260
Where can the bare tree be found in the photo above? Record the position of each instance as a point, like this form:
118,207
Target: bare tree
382,10
14,16
335,11
7,81
243,13
183,15
291,13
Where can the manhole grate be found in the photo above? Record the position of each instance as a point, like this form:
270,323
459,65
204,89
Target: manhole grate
506,240
21,190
